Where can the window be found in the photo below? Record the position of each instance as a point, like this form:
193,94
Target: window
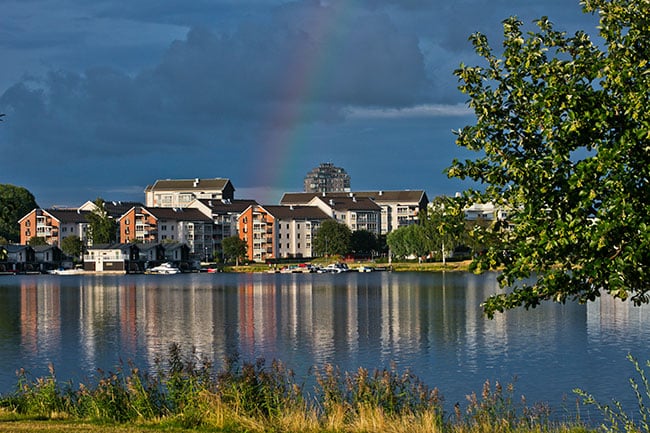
28,223
164,227
126,222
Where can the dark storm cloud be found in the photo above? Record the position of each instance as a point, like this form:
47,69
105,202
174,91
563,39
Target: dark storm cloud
211,80
157,89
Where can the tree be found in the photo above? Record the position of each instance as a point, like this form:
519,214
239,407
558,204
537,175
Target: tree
332,237
445,224
15,203
72,246
234,248
102,229
364,242
564,134
36,241
411,240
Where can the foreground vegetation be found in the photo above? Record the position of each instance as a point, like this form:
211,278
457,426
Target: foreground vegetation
187,392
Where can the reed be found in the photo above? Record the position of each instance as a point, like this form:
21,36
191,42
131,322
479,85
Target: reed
186,391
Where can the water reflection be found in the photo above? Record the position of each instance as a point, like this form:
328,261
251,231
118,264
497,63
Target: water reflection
431,323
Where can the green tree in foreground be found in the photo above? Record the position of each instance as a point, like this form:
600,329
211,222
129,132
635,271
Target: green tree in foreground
15,203
72,246
102,229
563,128
332,238
234,248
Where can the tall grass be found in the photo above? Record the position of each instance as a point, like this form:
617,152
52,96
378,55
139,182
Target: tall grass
185,390
616,418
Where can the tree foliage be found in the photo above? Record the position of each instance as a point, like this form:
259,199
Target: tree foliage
36,241
364,242
331,238
15,203
563,128
72,246
234,248
102,229
444,224
440,229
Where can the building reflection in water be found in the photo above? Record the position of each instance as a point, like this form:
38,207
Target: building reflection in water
40,317
429,322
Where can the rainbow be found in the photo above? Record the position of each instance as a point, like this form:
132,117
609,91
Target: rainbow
286,125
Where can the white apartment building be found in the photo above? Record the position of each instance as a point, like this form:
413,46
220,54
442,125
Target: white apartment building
398,208
178,193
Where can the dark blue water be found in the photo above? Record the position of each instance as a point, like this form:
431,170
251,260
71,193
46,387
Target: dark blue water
430,323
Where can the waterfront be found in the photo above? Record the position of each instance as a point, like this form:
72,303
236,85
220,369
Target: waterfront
428,322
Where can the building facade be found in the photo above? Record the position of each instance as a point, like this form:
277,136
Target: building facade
273,232
161,225
53,225
225,215
180,193
398,208
327,178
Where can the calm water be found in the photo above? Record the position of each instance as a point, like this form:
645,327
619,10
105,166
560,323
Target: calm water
430,323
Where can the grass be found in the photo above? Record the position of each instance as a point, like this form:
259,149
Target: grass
185,392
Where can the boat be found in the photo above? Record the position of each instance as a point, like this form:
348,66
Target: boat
62,271
336,268
164,268
363,268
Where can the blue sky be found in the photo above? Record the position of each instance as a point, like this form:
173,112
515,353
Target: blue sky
104,97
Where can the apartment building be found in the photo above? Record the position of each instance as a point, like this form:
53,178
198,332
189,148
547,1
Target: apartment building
225,214
326,177
279,231
179,193
398,208
160,225
357,213
53,225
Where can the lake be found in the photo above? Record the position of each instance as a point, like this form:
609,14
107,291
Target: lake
430,323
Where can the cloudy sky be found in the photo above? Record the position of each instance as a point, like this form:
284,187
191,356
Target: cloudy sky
103,97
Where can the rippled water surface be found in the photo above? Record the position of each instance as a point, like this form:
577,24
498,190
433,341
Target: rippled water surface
428,322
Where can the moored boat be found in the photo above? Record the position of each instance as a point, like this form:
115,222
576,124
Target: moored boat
164,268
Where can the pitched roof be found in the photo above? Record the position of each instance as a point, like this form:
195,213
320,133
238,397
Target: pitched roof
178,214
189,184
223,206
296,212
116,209
401,196
68,215
350,203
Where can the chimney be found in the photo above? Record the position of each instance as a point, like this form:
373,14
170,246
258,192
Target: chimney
381,193
196,182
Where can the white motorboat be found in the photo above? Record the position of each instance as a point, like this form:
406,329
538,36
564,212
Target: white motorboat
164,268
66,271
336,268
